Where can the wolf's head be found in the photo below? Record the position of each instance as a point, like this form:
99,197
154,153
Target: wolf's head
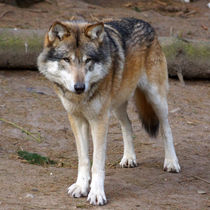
75,55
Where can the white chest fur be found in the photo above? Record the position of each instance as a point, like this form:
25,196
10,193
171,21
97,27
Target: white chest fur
81,106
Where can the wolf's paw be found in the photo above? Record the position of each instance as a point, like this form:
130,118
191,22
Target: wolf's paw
128,162
172,165
97,198
77,190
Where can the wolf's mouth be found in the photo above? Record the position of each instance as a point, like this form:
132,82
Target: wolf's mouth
79,92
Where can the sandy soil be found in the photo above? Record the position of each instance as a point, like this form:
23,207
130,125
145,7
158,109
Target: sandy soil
27,99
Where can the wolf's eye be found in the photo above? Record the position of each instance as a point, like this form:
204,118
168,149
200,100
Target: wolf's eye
88,60
67,60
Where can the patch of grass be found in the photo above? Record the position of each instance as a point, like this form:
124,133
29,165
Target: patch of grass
82,206
192,51
137,9
38,139
113,164
7,40
34,158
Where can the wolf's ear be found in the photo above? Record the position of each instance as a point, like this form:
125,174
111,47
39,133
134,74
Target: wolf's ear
57,30
95,31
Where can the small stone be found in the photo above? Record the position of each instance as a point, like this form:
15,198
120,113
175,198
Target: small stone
201,192
175,110
34,190
29,195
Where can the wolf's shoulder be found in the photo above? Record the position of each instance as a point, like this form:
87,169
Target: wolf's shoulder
132,30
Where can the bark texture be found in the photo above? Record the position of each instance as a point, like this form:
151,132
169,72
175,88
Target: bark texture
19,48
191,58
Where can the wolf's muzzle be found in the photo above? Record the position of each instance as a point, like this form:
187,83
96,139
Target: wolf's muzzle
79,87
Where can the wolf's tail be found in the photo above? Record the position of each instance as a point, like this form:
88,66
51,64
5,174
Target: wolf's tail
147,115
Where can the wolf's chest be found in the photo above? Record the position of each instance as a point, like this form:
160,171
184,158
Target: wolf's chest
81,106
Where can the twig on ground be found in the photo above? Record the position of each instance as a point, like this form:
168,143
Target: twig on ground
191,12
204,27
5,13
161,3
37,10
94,18
197,177
48,1
175,110
72,18
181,79
21,128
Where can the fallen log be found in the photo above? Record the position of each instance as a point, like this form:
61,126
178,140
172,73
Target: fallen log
19,48
190,58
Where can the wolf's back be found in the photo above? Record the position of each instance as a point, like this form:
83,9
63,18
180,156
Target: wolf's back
133,32
138,35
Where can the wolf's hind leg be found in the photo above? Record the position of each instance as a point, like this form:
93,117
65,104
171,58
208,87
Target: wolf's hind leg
171,163
129,156
160,106
80,129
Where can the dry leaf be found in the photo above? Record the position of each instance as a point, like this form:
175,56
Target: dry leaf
129,4
204,27
175,110
201,192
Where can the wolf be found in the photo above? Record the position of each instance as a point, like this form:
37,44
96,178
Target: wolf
95,69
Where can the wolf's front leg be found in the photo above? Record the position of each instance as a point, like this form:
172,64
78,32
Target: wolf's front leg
129,156
80,129
99,129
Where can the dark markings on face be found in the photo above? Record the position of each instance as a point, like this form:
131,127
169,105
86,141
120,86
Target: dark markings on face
77,38
97,55
89,66
56,54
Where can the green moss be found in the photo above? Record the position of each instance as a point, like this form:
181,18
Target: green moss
8,40
35,158
137,9
82,206
188,49
36,41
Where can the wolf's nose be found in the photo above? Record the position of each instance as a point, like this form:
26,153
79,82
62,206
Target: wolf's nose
79,87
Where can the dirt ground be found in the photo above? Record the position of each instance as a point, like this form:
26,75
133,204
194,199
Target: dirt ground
27,99
168,17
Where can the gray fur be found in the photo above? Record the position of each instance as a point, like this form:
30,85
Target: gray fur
118,37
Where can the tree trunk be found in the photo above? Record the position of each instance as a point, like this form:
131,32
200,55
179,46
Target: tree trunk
20,48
